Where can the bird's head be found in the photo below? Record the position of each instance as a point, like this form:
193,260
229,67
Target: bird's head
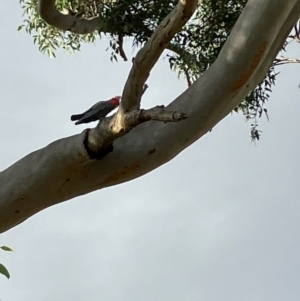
115,101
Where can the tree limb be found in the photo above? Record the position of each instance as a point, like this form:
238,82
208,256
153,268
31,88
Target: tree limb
64,170
285,60
68,21
102,137
52,16
121,49
142,65
147,57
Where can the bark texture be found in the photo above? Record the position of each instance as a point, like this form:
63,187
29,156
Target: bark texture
52,16
64,169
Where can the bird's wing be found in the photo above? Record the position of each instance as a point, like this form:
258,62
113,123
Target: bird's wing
76,117
91,115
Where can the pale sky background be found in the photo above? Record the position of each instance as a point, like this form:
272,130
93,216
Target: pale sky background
220,222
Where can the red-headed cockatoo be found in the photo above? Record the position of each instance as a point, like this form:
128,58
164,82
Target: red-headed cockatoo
98,111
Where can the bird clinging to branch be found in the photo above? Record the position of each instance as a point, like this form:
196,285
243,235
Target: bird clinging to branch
98,111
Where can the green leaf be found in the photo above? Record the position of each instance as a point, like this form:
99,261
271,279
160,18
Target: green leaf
6,248
20,27
4,271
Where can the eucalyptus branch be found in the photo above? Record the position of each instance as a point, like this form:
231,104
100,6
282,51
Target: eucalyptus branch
285,60
121,49
188,78
106,132
101,138
147,57
49,13
181,51
63,170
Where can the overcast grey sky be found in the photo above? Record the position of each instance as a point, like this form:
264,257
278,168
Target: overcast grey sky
219,222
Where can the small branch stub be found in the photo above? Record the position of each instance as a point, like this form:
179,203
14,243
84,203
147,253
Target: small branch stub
145,87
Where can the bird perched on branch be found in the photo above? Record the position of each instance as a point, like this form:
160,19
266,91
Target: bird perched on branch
98,111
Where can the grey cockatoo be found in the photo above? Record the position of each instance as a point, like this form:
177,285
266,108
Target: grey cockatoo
98,111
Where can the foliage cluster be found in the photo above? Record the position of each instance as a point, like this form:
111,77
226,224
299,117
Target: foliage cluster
193,49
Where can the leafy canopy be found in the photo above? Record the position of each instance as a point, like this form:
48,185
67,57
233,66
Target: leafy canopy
193,49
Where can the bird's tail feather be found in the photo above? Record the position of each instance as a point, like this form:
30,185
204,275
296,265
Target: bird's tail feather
76,117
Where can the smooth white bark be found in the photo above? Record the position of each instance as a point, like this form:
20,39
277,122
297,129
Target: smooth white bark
147,57
63,170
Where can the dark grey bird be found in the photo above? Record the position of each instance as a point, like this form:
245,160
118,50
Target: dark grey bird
98,111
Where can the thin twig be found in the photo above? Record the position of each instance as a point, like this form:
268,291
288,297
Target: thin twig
121,50
285,60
